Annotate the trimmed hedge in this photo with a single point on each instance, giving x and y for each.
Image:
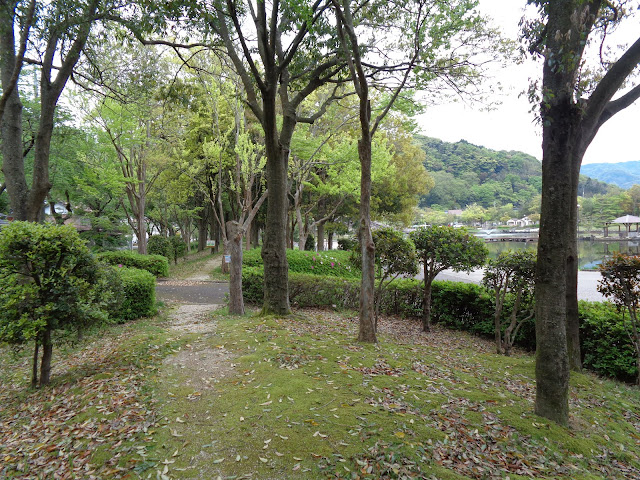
(606, 347)
(139, 293)
(334, 263)
(160, 245)
(605, 343)
(157, 265)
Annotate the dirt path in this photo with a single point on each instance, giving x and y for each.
(196, 289)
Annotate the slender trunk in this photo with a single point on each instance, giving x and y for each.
(45, 365)
(320, 239)
(426, 303)
(34, 367)
(329, 241)
(367, 331)
(236, 302)
(497, 324)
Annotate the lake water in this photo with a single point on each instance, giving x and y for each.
(590, 253)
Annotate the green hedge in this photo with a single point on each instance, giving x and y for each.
(605, 343)
(606, 346)
(334, 263)
(159, 245)
(139, 293)
(157, 265)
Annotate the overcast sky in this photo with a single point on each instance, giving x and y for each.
(511, 125)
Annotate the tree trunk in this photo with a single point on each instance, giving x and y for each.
(426, 303)
(367, 331)
(497, 325)
(320, 239)
(274, 252)
(202, 230)
(45, 365)
(573, 317)
(236, 302)
(11, 124)
(330, 241)
(552, 362)
(34, 367)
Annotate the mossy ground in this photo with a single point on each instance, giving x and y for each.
(297, 397)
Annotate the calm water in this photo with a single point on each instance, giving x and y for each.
(590, 253)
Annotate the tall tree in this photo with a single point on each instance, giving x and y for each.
(54, 35)
(281, 56)
(573, 107)
(420, 55)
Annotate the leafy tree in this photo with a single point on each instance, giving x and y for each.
(445, 247)
(511, 274)
(621, 283)
(575, 99)
(418, 55)
(395, 257)
(49, 281)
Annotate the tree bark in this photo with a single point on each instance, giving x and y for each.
(552, 269)
(367, 330)
(274, 253)
(236, 302)
(320, 239)
(426, 303)
(11, 124)
(47, 351)
(34, 366)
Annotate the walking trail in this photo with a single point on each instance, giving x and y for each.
(195, 297)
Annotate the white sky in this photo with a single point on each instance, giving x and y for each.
(510, 126)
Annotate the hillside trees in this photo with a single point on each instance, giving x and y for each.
(573, 106)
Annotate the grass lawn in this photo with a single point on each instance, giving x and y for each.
(298, 398)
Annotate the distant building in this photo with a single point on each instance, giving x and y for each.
(520, 222)
(455, 213)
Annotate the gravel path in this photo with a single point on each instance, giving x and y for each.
(197, 289)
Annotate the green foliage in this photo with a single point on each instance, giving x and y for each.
(347, 243)
(178, 248)
(605, 342)
(333, 262)
(442, 247)
(49, 281)
(139, 292)
(511, 275)
(465, 174)
(621, 283)
(155, 264)
(160, 245)
(310, 243)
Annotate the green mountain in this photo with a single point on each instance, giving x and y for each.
(465, 173)
(623, 174)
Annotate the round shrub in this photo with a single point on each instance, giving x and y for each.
(178, 248)
(159, 245)
(347, 243)
(139, 291)
(310, 243)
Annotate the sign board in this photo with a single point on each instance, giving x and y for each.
(227, 259)
(211, 243)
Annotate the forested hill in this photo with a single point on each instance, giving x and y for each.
(465, 174)
(623, 174)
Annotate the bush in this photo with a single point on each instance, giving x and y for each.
(139, 293)
(178, 248)
(157, 265)
(605, 343)
(332, 263)
(49, 282)
(310, 243)
(347, 243)
(159, 245)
